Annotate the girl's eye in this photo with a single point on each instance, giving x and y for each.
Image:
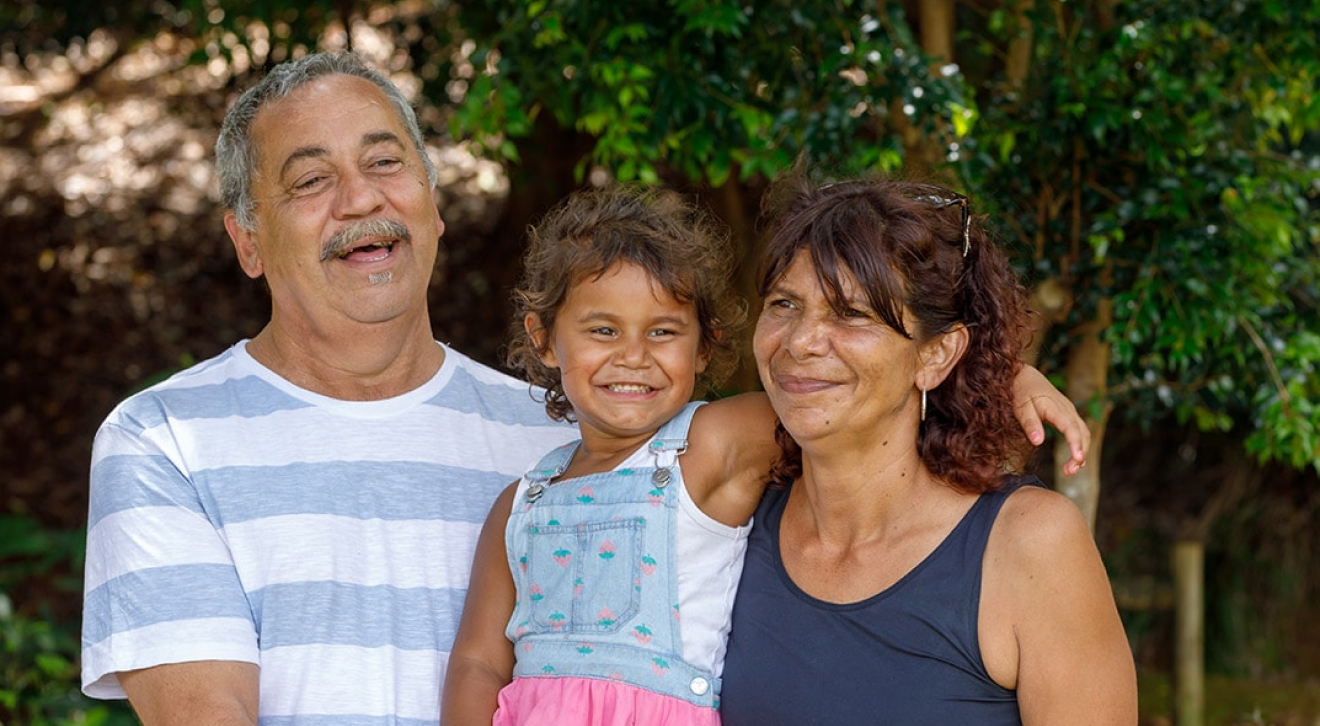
(660, 333)
(602, 330)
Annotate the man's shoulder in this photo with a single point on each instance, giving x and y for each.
(197, 389)
(208, 372)
(481, 372)
(475, 387)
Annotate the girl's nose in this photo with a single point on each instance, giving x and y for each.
(633, 351)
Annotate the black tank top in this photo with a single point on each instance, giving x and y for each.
(907, 656)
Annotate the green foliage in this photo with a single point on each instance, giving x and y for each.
(39, 678)
(1257, 565)
(706, 89)
(243, 33)
(27, 26)
(1162, 163)
(28, 550)
(1233, 701)
(1165, 164)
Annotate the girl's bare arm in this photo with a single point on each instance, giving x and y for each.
(482, 659)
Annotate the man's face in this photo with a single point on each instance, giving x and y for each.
(346, 225)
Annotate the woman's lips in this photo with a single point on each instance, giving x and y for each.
(801, 384)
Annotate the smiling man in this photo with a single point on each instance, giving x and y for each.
(283, 534)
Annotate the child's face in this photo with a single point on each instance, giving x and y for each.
(628, 353)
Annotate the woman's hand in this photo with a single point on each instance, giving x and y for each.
(1035, 399)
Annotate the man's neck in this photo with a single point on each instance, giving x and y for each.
(366, 363)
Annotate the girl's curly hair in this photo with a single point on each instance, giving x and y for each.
(674, 240)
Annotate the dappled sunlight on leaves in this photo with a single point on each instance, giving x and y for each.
(119, 270)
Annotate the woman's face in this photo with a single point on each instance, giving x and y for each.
(846, 378)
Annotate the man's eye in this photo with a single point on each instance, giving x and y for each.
(386, 164)
(308, 183)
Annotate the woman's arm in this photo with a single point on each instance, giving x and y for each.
(1050, 627)
(482, 659)
(1036, 399)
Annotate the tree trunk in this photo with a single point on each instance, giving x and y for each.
(730, 203)
(923, 152)
(937, 26)
(1238, 477)
(1087, 386)
(1018, 64)
(1050, 301)
(473, 292)
(1189, 665)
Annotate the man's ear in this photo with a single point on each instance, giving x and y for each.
(245, 246)
(540, 340)
(939, 355)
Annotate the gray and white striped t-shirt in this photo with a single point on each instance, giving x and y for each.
(235, 516)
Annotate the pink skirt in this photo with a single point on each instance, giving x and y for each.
(566, 701)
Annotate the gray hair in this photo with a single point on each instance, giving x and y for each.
(236, 155)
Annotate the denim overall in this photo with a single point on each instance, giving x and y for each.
(593, 562)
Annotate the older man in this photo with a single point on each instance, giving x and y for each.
(283, 533)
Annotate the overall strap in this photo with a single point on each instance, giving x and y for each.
(553, 463)
(550, 466)
(671, 440)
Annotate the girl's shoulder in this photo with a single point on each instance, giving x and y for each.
(731, 448)
(751, 409)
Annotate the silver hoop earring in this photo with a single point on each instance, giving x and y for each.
(923, 403)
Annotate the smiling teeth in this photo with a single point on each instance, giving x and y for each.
(628, 388)
(374, 245)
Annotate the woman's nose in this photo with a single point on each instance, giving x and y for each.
(806, 336)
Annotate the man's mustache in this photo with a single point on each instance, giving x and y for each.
(346, 238)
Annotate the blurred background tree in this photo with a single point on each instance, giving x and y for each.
(1152, 166)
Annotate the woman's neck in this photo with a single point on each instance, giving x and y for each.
(852, 494)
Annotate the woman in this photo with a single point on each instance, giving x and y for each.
(898, 574)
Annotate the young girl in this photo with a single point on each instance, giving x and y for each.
(603, 582)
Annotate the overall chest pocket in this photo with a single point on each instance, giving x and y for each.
(585, 578)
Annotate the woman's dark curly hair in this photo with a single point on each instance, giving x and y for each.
(904, 244)
(674, 240)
